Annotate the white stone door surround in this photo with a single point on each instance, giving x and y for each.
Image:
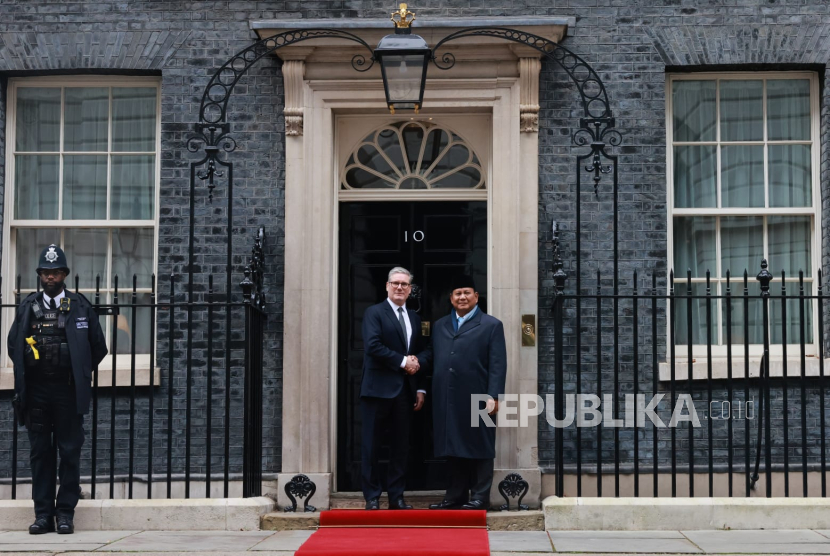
(493, 78)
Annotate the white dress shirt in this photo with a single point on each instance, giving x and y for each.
(408, 329)
(47, 299)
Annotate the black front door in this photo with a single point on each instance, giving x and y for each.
(435, 241)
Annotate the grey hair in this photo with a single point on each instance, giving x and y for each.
(399, 270)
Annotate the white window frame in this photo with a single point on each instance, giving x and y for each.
(719, 350)
(123, 361)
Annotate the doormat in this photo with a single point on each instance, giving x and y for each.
(399, 533)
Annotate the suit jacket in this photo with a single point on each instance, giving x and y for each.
(384, 347)
(472, 360)
(87, 346)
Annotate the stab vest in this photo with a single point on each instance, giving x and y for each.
(48, 328)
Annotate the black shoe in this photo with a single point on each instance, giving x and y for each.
(399, 504)
(373, 504)
(475, 505)
(65, 525)
(43, 524)
(445, 505)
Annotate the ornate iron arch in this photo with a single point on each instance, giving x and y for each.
(213, 109)
(596, 130)
(212, 132)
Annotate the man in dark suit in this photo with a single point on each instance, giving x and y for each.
(54, 343)
(392, 388)
(469, 358)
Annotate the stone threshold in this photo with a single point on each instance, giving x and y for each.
(202, 514)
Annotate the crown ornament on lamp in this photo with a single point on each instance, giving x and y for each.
(403, 18)
(403, 61)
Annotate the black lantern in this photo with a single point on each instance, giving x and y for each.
(403, 61)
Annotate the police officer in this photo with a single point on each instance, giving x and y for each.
(54, 343)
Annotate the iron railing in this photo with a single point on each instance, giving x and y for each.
(624, 347)
(195, 418)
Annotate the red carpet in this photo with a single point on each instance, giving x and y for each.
(399, 533)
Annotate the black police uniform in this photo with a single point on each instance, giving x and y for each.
(53, 348)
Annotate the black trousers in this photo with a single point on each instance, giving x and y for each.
(470, 479)
(385, 419)
(55, 428)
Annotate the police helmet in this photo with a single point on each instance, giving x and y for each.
(52, 258)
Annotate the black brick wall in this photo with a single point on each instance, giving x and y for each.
(629, 42)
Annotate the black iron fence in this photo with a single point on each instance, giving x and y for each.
(182, 405)
(734, 371)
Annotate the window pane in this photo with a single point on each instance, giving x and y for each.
(794, 319)
(369, 156)
(741, 110)
(86, 115)
(38, 119)
(698, 306)
(752, 306)
(133, 119)
(467, 177)
(361, 179)
(455, 156)
(132, 253)
(437, 141)
(390, 144)
(413, 138)
(695, 182)
(693, 106)
(694, 246)
(790, 176)
(789, 245)
(84, 187)
(86, 254)
(742, 245)
(742, 176)
(36, 187)
(125, 329)
(788, 109)
(30, 242)
(133, 188)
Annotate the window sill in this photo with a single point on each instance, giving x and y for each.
(719, 368)
(122, 377)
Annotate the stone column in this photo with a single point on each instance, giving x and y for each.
(309, 288)
(518, 447)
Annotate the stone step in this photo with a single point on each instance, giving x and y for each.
(496, 521)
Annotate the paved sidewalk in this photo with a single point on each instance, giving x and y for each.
(502, 543)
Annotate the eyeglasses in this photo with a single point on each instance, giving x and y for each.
(52, 272)
(402, 285)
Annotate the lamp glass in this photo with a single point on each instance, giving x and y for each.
(404, 74)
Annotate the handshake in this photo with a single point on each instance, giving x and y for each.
(412, 365)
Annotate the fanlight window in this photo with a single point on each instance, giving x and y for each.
(413, 155)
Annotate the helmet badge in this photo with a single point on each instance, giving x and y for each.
(51, 256)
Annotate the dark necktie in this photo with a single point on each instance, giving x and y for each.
(403, 326)
(52, 304)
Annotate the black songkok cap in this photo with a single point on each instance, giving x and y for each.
(463, 281)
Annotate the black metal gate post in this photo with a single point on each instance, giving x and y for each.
(765, 277)
(254, 318)
(559, 278)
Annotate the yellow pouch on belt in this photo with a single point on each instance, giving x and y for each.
(31, 341)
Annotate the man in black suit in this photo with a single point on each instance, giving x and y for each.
(54, 343)
(392, 388)
(469, 360)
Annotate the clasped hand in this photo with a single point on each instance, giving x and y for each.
(412, 365)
